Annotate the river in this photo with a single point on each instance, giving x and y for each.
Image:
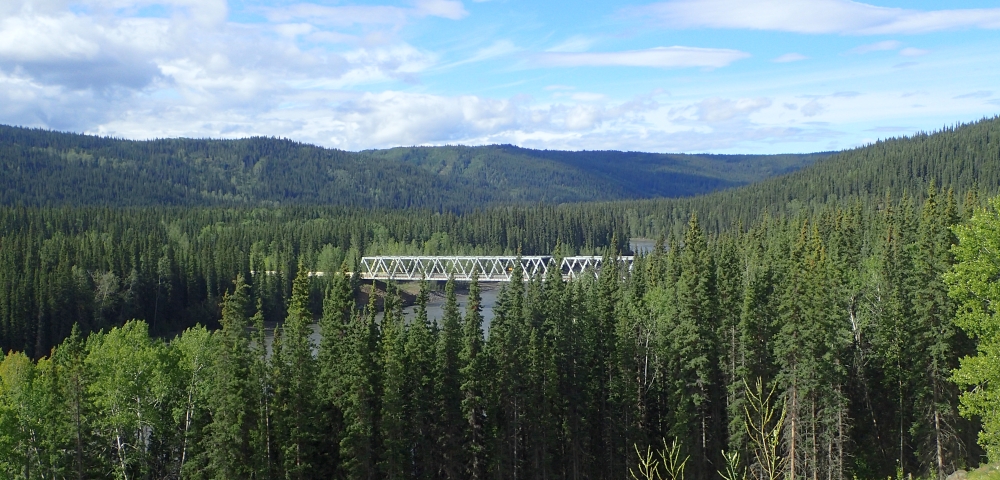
(435, 305)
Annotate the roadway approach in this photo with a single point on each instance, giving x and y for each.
(485, 268)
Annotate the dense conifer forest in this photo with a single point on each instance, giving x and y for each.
(837, 322)
(43, 168)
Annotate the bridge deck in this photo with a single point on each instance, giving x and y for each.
(487, 269)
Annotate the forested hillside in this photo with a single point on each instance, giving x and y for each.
(50, 168)
(618, 175)
(965, 158)
(844, 315)
(841, 288)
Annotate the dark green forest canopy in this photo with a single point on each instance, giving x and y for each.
(39, 167)
(842, 313)
(48, 251)
(825, 283)
(965, 158)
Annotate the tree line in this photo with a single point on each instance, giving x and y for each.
(98, 267)
(844, 314)
(45, 168)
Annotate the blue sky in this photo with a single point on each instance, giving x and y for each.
(724, 76)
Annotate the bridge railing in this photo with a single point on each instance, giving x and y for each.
(486, 268)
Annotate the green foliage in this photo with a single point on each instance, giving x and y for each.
(49, 168)
(132, 384)
(974, 285)
(814, 343)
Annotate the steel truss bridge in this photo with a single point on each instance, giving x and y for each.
(487, 269)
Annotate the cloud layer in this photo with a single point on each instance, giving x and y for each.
(356, 76)
(816, 16)
(661, 57)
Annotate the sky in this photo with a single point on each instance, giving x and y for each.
(717, 76)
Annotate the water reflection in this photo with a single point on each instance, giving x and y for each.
(435, 310)
(488, 291)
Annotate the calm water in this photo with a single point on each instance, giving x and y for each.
(489, 292)
(435, 310)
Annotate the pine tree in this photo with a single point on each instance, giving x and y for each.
(262, 437)
(69, 360)
(295, 391)
(505, 350)
(338, 308)
(939, 445)
(449, 423)
(419, 374)
(473, 373)
(395, 422)
(233, 400)
(699, 409)
(358, 396)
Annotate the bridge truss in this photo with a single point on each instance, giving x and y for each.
(487, 269)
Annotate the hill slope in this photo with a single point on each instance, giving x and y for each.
(965, 158)
(40, 167)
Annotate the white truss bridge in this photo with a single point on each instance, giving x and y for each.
(487, 269)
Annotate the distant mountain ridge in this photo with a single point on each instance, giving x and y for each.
(964, 158)
(46, 168)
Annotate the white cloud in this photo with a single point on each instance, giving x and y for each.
(816, 16)
(790, 57)
(499, 48)
(812, 108)
(877, 47)
(576, 43)
(979, 94)
(98, 47)
(341, 15)
(662, 57)
(913, 52)
(347, 15)
(716, 110)
(449, 9)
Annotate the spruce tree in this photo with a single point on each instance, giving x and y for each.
(935, 338)
(449, 425)
(358, 396)
(505, 350)
(262, 438)
(296, 387)
(700, 404)
(473, 374)
(420, 345)
(338, 306)
(69, 360)
(232, 403)
(395, 461)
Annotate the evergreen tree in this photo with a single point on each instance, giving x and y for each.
(358, 396)
(295, 391)
(935, 338)
(337, 310)
(698, 383)
(72, 387)
(395, 461)
(506, 352)
(473, 373)
(449, 424)
(419, 375)
(233, 400)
